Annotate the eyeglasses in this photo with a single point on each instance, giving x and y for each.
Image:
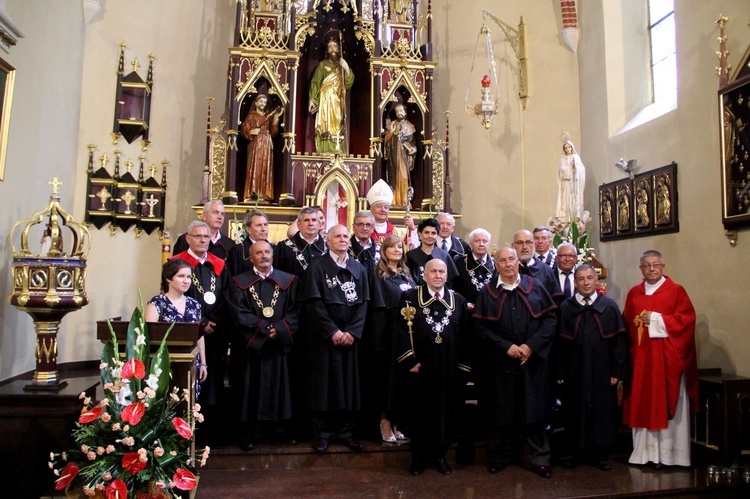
(366, 226)
(649, 266)
(199, 236)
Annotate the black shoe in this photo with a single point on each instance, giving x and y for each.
(246, 444)
(495, 466)
(543, 471)
(321, 445)
(443, 467)
(353, 444)
(416, 468)
(603, 465)
(568, 461)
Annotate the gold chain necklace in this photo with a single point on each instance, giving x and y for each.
(267, 311)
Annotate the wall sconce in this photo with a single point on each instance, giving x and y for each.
(487, 108)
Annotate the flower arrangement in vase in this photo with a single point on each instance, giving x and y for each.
(133, 443)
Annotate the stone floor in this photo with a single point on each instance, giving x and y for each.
(378, 472)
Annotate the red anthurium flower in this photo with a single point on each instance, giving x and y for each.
(131, 463)
(89, 415)
(66, 476)
(133, 413)
(117, 489)
(183, 428)
(184, 479)
(134, 367)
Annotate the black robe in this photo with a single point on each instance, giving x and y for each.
(544, 275)
(417, 259)
(459, 247)
(212, 270)
(592, 346)
(378, 359)
(513, 393)
(239, 257)
(469, 269)
(296, 262)
(260, 366)
(432, 395)
(368, 257)
(333, 374)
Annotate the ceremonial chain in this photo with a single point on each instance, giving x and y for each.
(300, 257)
(436, 326)
(267, 311)
(476, 282)
(210, 297)
(349, 288)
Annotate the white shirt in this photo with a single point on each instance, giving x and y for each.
(581, 300)
(441, 291)
(341, 261)
(201, 260)
(261, 274)
(509, 287)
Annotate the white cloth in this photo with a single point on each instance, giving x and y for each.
(670, 446)
(656, 327)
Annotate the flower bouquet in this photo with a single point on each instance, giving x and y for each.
(132, 443)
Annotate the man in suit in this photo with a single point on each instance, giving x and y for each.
(542, 242)
(362, 247)
(565, 268)
(219, 244)
(455, 246)
(256, 227)
(528, 265)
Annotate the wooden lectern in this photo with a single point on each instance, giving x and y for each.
(181, 345)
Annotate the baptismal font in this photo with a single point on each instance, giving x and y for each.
(51, 283)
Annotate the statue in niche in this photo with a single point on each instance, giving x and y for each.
(663, 204)
(606, 221)
(623, 207)
(260, 127)
(571, 180)
(401, 10)
(641, 211)
(328, 88)
(400, 149)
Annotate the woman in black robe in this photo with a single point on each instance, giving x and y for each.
(388, 281)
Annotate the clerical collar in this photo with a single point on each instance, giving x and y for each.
(200, 260)
(261, 274)
(581, 300)
(651, 288)
(508, 287)
(341, 261)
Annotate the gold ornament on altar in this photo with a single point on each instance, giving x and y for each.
(51, 283)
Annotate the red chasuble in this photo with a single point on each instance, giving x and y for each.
(659, 363)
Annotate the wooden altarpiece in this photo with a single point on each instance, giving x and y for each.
(277, 46)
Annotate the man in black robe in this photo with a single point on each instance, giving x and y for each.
(523, 242)
(363, 248)
(335, 294)
(294, 255)
(515, 320)
(219, 244)
(429, 352)
(262, 303)
(210, 284)
(446, 241)
(591, 346)
(417, 258)
(256, 229)
(475, 268)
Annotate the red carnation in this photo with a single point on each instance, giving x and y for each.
(66, 476)
(134, 367)
(184, 479)
(132, 463)
(133, 413)
(117, 489)
(486, 81)
(183, 428)
(89, 415)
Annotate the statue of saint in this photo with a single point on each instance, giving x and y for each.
(259, 127)
(663, 203)
(623, 208)
(328, 87)
(641, 212)
(571, 180)
(400, 149)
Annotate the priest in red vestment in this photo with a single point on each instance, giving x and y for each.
(663, 391)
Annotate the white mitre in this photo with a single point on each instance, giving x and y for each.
(380, 192)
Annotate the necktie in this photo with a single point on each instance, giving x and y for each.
(586, 301)
(523, 268)
(437, 296)
(445, 245)
(568, 289)
(540, 258)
